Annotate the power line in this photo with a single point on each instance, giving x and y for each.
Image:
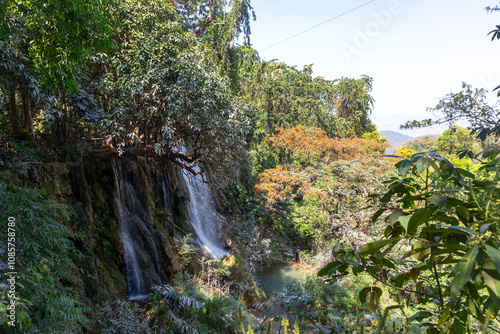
(333, 18)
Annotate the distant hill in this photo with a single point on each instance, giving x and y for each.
(396, 139)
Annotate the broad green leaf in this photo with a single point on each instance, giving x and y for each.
(494, 255)
(419, 217)
(325, 271)
(420, 316)
(394, 216)
(402, 279)
(457, 327)
(484, 228)
(404, 220)
(463, 214)
(375, 295)
(388, 263)
(377, 214)
(374, 246)
(363, 293)
(423, 163)
(465, 173)
(420, 250)
(463, 271)
(438, 200)
(404, 166)
(491, 278)
(461, 228)
(414, 272)
(445, 315)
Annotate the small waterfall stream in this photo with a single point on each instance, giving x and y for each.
(140, 252)
(204, 218)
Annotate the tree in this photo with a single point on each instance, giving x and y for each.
(495, 32)
(44, 45)
(217, 24)
(454, 140)
(354, 104)
(470, 104)
(448, 217)
(161, 92)
(284, 96)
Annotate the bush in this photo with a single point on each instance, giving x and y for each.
(121, 317)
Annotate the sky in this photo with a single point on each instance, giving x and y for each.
(416, 51)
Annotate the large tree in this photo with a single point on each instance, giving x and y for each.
(43, 47)
(161, 92)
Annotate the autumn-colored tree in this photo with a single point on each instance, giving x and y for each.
(284, 183)
(300, 147)
(315, 144)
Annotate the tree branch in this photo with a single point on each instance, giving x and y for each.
(209, 19)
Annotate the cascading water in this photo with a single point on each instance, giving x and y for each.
(136, 237)
(164, 187)
(204, 218)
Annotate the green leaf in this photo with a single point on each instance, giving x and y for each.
(414, 272)
(394, 216)
(374, 246)
(402, 279)
(404, 220)
(445, 315)
(494, 255)
(463, 214)
(484, 228)
(438, 200)
(325, 271)
(423, 163)
(419, 316)
(461, 228)
(419, 251)
(404, 166)
(419, 217)
(363, 293)
(465, 173)
(377, 214)
(491, 278)
(463, 271)
(375, 295)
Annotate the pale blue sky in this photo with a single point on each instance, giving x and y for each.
(416, 51)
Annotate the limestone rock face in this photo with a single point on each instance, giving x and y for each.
(153, 199)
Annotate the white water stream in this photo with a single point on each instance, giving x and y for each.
(132, 227)
(204, 218)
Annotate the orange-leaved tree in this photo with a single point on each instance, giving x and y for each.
(300, 147)
(310, 145)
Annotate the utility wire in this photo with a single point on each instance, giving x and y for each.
(304, 31)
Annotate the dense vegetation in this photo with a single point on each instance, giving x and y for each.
(294, 160)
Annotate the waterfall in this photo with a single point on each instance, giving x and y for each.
(204, 218)
(163, 187)
(140, 252)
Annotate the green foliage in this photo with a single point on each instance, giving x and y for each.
(121, 317)
(56, 37)
(193, 307)
(166, 93)
(374, 135)
(284, 96)
(454, 140)
(469, 104)
(43, 251)
(354, 104)
(440, 244)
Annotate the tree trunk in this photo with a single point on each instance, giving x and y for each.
(208, 20)
(28, 118)
(13, 111)
(66, 125)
